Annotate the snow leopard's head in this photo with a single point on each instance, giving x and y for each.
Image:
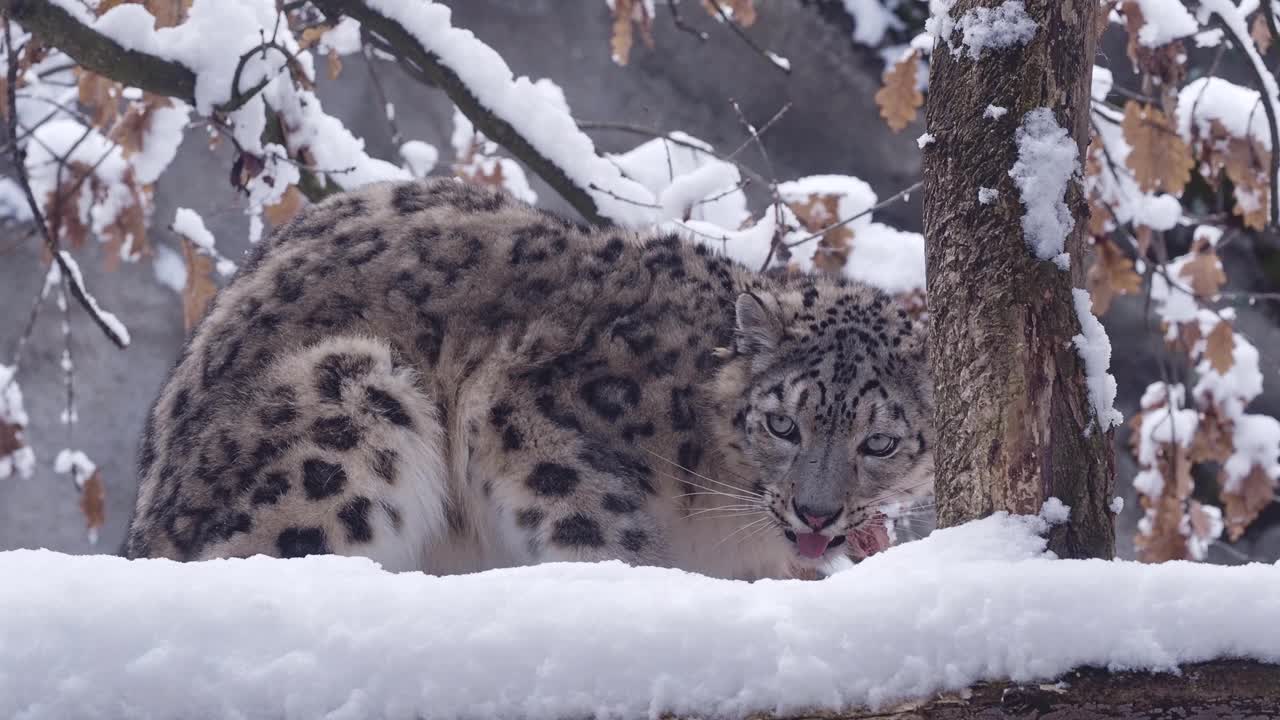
(827, 412)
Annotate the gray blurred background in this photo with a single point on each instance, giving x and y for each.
(833, 126)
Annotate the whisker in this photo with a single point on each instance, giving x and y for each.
(735, 488)
(730, 515)
(880, 500)
(739, 530)
(753, 534)
(704, 492)
(725, 508)
(748, 498)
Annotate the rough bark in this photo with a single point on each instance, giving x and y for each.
(1223, 689)
(1013, 413)
(104, 56)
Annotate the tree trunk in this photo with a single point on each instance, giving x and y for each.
(1014, 417)
(1223, 689)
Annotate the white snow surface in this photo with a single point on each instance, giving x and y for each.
(544, 123)
(419, 157)
(686, 191)
(1165, 21)
(165, 127)
(659, 163)
(1047, 161)
(872, 20)
(13, 202)
(75, 462)
(331, 637)
(987, 195)
(1055, 512)
(189, 224)
(887, 258)
(1094, 348)
(108, 319)
(1236, 107)
(985, 29)
(170, 269)
(12, 412)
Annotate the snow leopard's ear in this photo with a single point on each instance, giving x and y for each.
(759, 328)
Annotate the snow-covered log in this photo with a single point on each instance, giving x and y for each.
(339, 638)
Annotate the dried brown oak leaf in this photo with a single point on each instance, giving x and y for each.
(93, 503)
(1256, 492)
(1165, 62)
(285, 208)
(1220, 346)
(199, 290)
(627, 16)
(10, 438)
(1111, 274)
(1099, 214)
(335, 64)
(817, 212)
(1205, 273)
(1159, 158)
(1212, 441)
(100, 95)
(1165, 541)
(1260, 33)
(900, 98)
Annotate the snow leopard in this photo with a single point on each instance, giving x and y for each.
(441, 378)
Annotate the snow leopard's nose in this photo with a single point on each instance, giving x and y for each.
(817, 518)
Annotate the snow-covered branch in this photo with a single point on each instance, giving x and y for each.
(59, 27)
(508, 110)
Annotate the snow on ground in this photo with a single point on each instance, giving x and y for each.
(338, 638)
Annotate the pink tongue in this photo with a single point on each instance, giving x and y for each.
(812, 545)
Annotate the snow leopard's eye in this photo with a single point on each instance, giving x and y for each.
(879, 445)
(782, 426)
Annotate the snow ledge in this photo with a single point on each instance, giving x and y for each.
(338, 637)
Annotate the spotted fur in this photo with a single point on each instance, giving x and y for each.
(441, 378)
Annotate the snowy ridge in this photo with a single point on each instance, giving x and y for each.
(338, 638)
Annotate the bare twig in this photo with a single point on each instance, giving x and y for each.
(25, 337)
(772, 59)
(631, 201)
(20, 171)
(376, 81)
(761, 131)
(68, 363)
(651, 133)
(773, 178)
(681, 24)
